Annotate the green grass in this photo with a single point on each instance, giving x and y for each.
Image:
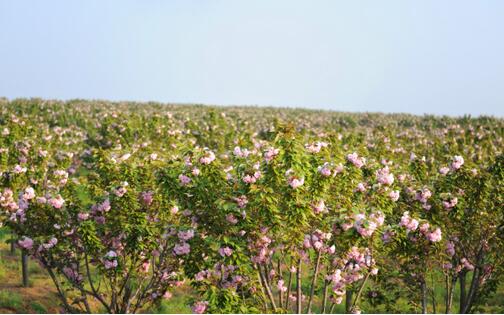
(38, 308)
(11, 300)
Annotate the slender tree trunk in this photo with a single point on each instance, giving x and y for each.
(462, 278)
(289, 285)
(298, 288)
(324, 298)
(280, 276)
(267, 288)
(24, 268)
(474, 283)
(331, 309)
(433, 297)
(314, 282)
(423, 286)
(13, 244)
(450, 290)
(348, 301)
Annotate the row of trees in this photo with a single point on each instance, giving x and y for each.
(121, 204)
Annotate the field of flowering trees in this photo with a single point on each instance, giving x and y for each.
(254, 210)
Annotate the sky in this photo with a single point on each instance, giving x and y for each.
(419, 56)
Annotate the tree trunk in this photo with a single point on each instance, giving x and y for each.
(450, 290)
(462, 278)
(324, 298)
(13, 244)
(423, 286)
(298, 288)
(314, 282)
(348, 301)
(24, 267)
(289, 285)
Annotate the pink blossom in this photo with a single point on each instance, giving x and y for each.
(451, 203)
(270, 154)
(281, 286)
(184, 180)
(174, 210)
(450, 248)
(82, 216)
(384, 176)
(319, 207)
(394, 195)
(231, 218)
(145, 266)
(199, 307)
(186, 235)
(57, 202)
(147, 197)
(182, 249)
(29, 193)
(434, 236)
(109, 264)
(241, 201)
(356, 160)
(409, 223)
(18, 169)
(120, 191)
(361, 187)
(423, 195)
(168, 295)
(295, 182)
(444, 170)
(208, 158)
(457, 162)
(225, 251)
(26, 243)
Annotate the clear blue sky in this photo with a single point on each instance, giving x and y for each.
(441, 57)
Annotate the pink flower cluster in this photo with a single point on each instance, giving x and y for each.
(349, 269)
(260, 246)
(270, 154)
(185, 235)
(208, 158)
(250, 179)
(7, 200)
(241, 153)
(394, 195)
(147, 197)
(294, 181)
(26, 243)
(319, 207)
(450, 203)
(29, 193)
(317, 240)
(356, 160)
(316, 147)
(384, 176)
(409, 223)
(241, 201)
(326, 171)
(199, 307)
(72, 273)
(225, 251)
(182, 249)
(457, 162)
(367, 226)
(184, 180)
(412, 224)
(57, 202)
(110, 260)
